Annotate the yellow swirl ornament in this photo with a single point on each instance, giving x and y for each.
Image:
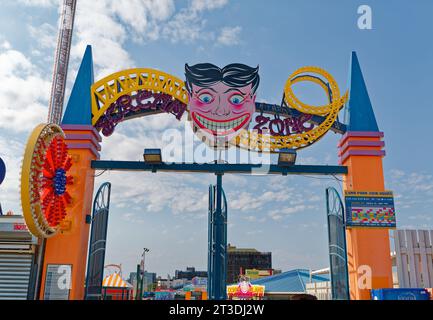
(252, 140)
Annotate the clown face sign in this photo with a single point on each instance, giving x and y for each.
(221, 104)
(221, 101)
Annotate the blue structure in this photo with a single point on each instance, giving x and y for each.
(217, 241)
(98, 240)
(337, 245)
(216, 167)
(293, 281)
(79, 110)
(400, 294)
(2, 170)
(359, 112)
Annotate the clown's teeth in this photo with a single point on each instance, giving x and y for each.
(215, 126)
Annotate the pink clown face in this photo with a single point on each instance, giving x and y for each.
(221, 110)
(244, 286)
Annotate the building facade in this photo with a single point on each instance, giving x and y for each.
(240, 259)
(189, 274)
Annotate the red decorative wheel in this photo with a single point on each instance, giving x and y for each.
(44, 180)
(53, 191)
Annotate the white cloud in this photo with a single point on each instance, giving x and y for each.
(23, 93)
(245, 201)
(200, 5)
(108, 24)
(157, 193)
(46, 35)
(39, 3)
(229, 36)
(96, 24)
(5, 45)
(138, 15)
(256, 201)
(416, 183)
(187, 25)
(281, 213)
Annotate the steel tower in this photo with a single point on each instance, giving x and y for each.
(61, 61)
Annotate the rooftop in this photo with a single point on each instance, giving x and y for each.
(289, 281)
(231, 248)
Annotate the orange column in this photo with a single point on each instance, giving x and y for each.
(70, 246)
(367, 248)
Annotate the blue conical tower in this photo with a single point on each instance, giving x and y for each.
(79, 109)
(360, 114)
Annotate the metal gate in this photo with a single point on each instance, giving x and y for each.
(337, 245)
(98, 238)
(217, 242)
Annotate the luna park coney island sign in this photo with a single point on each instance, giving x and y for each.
(221, 107)
(220, 104)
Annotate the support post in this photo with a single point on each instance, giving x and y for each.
(137, 290)
(361, 150)
(218, 244)
(70, 246)
(368, 249)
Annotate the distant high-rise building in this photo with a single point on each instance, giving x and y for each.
(148, 281)
(132, 278)
(190, 273)
(239, 259)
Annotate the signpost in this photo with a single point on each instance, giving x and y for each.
(370, 209)
(57, 283)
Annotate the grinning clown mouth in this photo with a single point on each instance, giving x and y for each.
(220, 127)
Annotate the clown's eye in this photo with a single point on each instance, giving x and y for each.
(205, 98)
(236, 99)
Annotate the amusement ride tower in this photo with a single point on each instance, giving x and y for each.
(61, 61)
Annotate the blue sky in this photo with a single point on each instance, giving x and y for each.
(167, 212)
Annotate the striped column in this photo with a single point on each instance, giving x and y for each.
(81, 137)
(368, 249)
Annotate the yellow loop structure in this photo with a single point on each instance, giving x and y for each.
(31, 174)
(109, 89)
(295, 103)
(255, 141)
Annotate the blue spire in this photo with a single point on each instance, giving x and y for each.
(79, 108)
(360, 111)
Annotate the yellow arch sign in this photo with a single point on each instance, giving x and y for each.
(107, 90)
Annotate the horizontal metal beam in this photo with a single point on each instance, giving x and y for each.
(217, 168)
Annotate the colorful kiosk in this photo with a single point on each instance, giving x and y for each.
(115, 288)
(244, 290)
(59, 165)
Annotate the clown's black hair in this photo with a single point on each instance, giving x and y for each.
(235, 75)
